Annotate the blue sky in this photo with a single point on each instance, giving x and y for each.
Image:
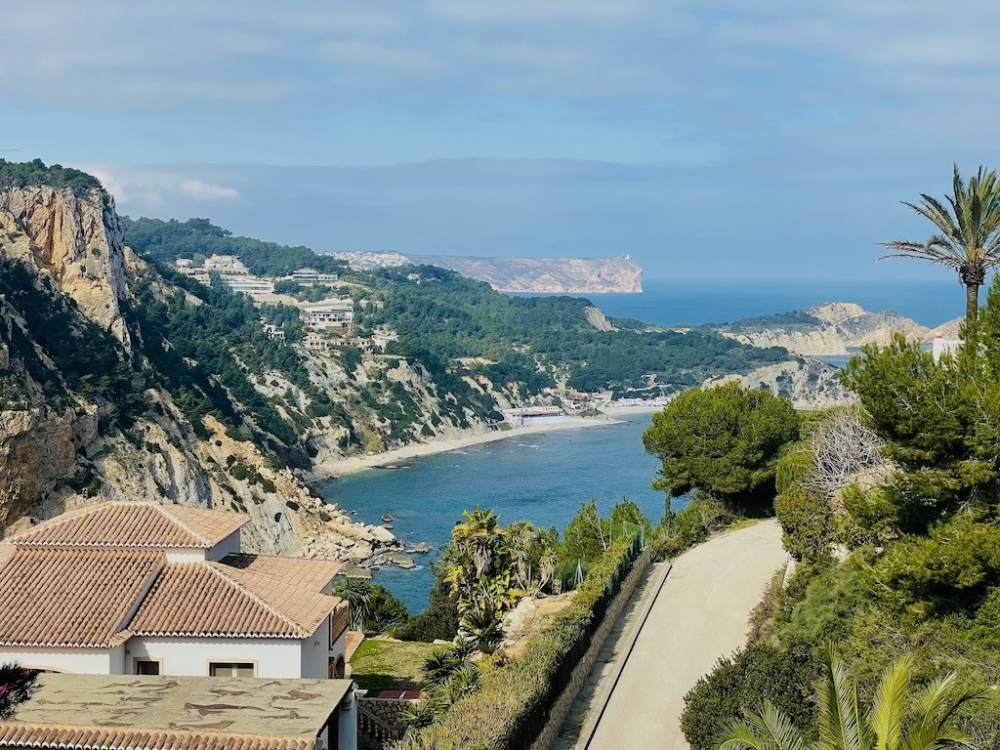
(707, 138)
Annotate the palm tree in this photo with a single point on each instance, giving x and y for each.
(969, 240)
(479, 533)
(357, 593)
(891, 723)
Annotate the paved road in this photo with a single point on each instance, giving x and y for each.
(700, 615)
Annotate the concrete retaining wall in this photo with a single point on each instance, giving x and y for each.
(562, 706)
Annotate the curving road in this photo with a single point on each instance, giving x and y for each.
(699, 615)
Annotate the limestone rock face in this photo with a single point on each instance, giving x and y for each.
(37, 451)
(77, 241)
(809, 383)
(837, 327)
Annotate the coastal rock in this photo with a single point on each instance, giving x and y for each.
(598, 319)
(830, 329)
(809, 383)
(74, 240)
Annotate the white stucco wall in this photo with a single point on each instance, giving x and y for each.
(315, 651)
(189, 657)
(228, 546)
(74, 661)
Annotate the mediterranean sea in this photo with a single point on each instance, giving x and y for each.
(541, 478)
(691, 303)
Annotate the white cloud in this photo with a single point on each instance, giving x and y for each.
(207, 191)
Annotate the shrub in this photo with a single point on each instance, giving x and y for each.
(806, 521)
(511, 704)
(690, 526)
(761, 672)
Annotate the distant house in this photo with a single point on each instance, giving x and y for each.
(226, 265)
(274, 332)
(310, 276)
(87, 712)
(231, 270)
(142, 588)
(940, 347)
(338, 313)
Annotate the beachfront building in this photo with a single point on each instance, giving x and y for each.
(335, 314)
(84, 712)
(143, 588)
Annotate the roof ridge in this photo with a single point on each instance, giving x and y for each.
(163, 509)
(219, 571)
(57, 520)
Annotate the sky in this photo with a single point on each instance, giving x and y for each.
(708, 139)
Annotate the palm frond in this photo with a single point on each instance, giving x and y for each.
(888, 711)
(932, 713)
(839, 724)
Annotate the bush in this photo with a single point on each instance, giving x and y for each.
(439, 621)
(807, 523)
(759, 673)
(511, 704)
(690, 526)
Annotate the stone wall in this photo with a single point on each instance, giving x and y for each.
(562, 706)
(380, 720)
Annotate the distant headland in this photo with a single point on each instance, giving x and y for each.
(620, 275)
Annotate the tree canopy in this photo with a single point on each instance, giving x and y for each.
(724, 441)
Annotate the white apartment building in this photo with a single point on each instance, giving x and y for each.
(143, 588)
(311, 276)
(338, 313)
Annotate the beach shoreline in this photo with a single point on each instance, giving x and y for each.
(333, 470)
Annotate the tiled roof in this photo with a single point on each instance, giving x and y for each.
(208, 599)
(134, 524)
(16, 734)
(110, 712)
(313, 575)
(69, 597)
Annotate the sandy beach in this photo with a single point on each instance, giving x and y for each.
(355, 464)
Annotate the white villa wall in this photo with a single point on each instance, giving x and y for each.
(74, 661)
(315, 652)
(228, 546)
(189, 657)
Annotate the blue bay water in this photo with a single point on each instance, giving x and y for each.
(544, 478)
(541, 478)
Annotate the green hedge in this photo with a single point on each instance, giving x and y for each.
(511, 707)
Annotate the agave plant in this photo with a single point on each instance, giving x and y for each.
(892, 722)
(969, 238)
(483, 627)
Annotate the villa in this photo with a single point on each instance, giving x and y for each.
(336, 313)
(143, 588)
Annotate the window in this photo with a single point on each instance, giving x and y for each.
(231, 669)
(147, 666)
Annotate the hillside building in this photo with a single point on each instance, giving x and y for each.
(143, 588)
(338, 314)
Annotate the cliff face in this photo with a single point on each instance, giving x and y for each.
(76, 241)
(835, 328)
(810, 383)
(85, 416)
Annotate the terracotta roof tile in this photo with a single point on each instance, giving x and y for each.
(134, 524)
(208, 599)
(68, 597)
(313, 575)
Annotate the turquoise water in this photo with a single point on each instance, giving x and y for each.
(541, 478)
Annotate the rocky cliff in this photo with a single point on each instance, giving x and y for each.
(74, 240)
(829, 329)
(86, 413)
(809, 383)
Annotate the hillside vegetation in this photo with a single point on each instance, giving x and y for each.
(892, 511)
